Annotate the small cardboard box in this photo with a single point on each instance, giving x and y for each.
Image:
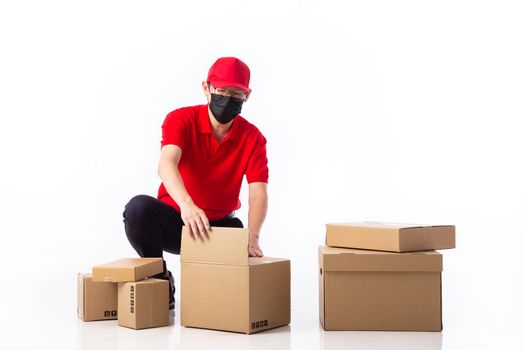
(383, 291)
(143, 304)
(95, 300)
(392, 237)
(224, 289)
(128, 270)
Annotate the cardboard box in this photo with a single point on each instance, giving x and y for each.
(224, 289)
(143, 304)
(96, 300)
(128, 270)
(390, 236)
(383, 291)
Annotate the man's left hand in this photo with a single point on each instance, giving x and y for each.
(253, 247)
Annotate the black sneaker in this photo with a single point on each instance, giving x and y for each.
(166, 275)
(172, 291)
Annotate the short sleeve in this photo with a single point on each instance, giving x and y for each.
(174, 130)
(257, 170)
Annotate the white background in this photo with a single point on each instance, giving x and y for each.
(407, 111)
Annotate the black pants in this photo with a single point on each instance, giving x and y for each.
(154, 227)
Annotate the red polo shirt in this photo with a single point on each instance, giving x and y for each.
(213, 171)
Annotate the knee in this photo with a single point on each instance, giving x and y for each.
(236, 222)
(137, 209)
(228, 222)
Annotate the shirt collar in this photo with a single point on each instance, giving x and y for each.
(205, 127)
(204, 120)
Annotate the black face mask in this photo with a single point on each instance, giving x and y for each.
(225, 108)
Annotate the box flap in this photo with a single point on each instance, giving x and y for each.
(345, 259)
(224, 245)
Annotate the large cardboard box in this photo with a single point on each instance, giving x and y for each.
(96, 300)
(390, 236)
(143, 304)
(384, 291)
(224, 289)
(128, 270)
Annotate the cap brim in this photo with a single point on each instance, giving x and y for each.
(223, 84)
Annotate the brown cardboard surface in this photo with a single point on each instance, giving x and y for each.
(127, 270)
(246, 299)
(390, 236)
(214, 296)
(96, 300)
(347, 259)
(370, 296)
(143, 304)
(224, 245)
(269, 293)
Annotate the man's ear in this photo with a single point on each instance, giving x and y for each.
(206, 90)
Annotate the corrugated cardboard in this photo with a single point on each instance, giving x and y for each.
(373, 290)
(390, 236)
(128, 270)
(226, 290)
(227, 246)
(143, 304)
(96, 300)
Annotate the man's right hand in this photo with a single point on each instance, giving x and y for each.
(195, 220)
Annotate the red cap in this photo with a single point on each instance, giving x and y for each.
(230, 71)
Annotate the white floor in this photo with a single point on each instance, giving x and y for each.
(304, 333)
(481, 311)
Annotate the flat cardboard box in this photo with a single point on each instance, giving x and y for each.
(143, 304)
(383, 291)
(128, 270)
(392, 237)
(224, 289)
(95, 300)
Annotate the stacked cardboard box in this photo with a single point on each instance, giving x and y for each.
(96, 300)
(224, 289)
(382, 276)
(122, 290)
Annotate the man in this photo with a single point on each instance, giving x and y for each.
(206, 150)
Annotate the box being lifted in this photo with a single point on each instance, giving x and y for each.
(224, 289)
